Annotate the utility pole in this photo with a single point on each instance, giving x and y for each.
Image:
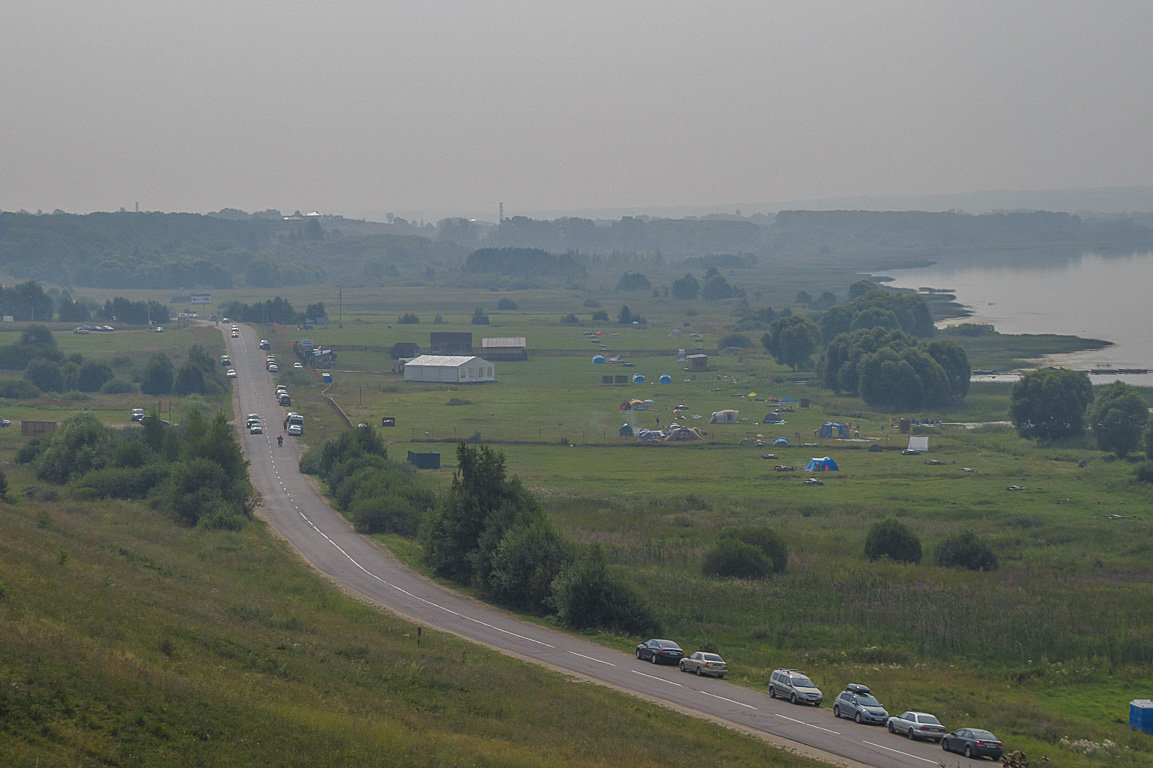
(340, 306)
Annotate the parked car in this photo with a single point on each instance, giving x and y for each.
(794, 685)
(917, 725)
(252, 417)
(256, 428)
(230, 373)
(137, 414)
(273, 368)
(264, 344)
(857, 702)
(5, 422)
(226, 360)
(660, 651)
(295, 430)
(973, 742)
(704, 663)
(298, 364)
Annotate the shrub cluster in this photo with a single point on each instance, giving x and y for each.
(892, 539)
(751, 553)
(965, 550)
(377, 495)
(196, 473)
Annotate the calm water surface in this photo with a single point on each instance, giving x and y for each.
(1091, 296)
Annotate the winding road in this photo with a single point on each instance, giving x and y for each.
(300, 514)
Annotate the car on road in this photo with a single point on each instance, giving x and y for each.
(973, 742)
(298, 364)
(273, 368)
(794, 685)
(252, 417)
(236, 334)
(917, 725)
(137, 414)
(256, 428)
(858, 703)
(230, 373)
(704, 663)
(660, 651)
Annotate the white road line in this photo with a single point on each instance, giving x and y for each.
(899, 752)
(722, 698)
(590, 658)
(802, 722)
(654, 677)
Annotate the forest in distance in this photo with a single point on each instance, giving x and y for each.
(268, 250)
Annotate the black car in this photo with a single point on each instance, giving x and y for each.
(660, 652)
(973, 742)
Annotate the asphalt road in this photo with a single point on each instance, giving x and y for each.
(301, 514)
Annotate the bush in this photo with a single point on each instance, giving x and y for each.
(506, 304)
(769, 543)
(524, 566)
(570, 319)
(965, 550)
(19, 389)
(586, 596)
(1145, 472)
(731, 557)
(893, 540)
(117, 387)
(739, 340)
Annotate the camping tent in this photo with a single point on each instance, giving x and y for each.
(638, 378)
(919, 443)
(665, 379)
(626, 430)
(649, 435)
(773, 418)
(829, 427)
(677, 433)
(781, 441)
(598, 359)
(825, 464)
(728, 416)
(632, 405)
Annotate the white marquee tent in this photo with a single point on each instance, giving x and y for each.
(449, 369)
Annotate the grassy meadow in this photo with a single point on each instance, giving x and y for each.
(164, 646)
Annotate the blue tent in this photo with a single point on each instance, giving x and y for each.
(822, 465)
(638, 378)
(781, 441)
(598, 358)
(665, 379)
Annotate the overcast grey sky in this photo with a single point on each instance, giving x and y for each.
(350, 105)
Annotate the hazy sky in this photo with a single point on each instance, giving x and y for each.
(391, 105)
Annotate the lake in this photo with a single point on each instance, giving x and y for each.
(1092, 296)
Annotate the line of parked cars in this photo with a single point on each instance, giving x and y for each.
(856, 702)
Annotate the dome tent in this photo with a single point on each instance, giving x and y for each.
(825, 464)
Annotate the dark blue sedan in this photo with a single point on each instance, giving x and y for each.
(973, 742)
(660, 652)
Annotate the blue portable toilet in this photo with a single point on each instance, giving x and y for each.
(665, 379)
(326, 378)
(598, 359)
(638, 378)
(1141, 715)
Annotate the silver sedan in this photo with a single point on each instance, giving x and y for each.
(917, 725)
(704, 663)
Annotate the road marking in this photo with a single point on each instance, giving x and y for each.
(590, 658)
(731, 701)
(654, 677)
(802, 722)
(899, 752)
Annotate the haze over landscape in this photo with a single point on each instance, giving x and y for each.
(445, 108)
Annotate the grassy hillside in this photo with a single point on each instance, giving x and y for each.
(130, 641)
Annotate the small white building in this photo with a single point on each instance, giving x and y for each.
(449, 369)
